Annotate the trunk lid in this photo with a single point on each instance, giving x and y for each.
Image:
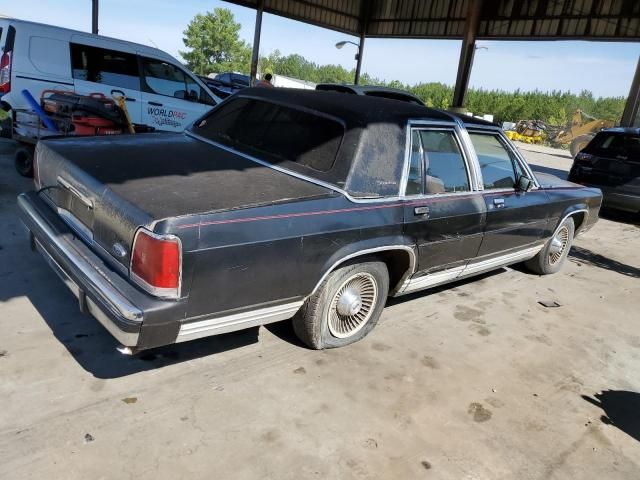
(106, 187)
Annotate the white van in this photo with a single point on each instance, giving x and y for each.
(159, 91)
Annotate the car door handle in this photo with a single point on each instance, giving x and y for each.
(155, 104)
(122, 94)
(498, 202)
(424, 211)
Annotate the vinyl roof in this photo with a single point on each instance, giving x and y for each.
(445, 19)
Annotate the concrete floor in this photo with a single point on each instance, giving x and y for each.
(473, 381)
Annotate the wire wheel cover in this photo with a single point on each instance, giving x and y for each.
(353, 304)
(558, 245)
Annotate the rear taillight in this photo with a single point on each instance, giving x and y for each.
(585, 158)
(5, 73)
(156, 263)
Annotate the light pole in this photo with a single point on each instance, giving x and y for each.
(358, 57)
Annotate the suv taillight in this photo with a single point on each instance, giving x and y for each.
(5, 73)
(156, 263)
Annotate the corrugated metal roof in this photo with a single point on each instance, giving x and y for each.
(500, 19)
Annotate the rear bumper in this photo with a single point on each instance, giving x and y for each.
(134, 318)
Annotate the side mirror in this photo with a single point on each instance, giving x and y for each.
(525, 184)
(181, 94)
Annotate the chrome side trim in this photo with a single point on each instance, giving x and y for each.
(474, 268)
(431, 280)
(238, 321)
(439, 278)
(360, 253)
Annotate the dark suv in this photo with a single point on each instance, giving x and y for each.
(611, 162)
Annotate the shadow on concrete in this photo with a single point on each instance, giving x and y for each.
(588, 257)
(621, 409)
(558, 172)
(95, 350)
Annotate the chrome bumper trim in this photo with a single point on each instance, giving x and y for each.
(108, 296)
(238, 321)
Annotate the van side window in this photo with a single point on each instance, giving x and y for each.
(163, 78)
(109, 67)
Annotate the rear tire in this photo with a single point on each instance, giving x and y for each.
(345, 307)
(552, 257)
(24, 161)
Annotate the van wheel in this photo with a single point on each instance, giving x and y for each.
(552, 257)
(24, 161)
(345, 308)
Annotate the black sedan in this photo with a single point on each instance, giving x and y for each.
(291, 203)
(611, 162)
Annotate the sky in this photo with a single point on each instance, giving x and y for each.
(604, 68)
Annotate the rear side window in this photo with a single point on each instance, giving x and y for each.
(615, 145)
(163, 78)
(443, 167)
(100, 65)
(498, 165)
(275, 132)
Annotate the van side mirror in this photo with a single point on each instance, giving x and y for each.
(525, 184)
(181, 94)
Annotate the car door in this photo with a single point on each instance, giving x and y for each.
(515, 219)
(443, 213)
(171, 98)
(100, 66)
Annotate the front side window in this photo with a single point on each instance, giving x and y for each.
(499, 167)
(274, 132)
(109, 67)
(163, 78)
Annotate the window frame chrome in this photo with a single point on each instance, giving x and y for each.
(468, 158)
(516, 155)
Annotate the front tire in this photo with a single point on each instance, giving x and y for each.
(345, 308)
(552, 257)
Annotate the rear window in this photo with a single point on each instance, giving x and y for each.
(274, 132)
(615, 145)
(394, 96)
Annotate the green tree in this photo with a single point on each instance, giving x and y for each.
(214, 44)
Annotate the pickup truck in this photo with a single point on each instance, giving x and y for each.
(284, 204)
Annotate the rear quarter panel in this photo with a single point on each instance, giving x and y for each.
(276, 253)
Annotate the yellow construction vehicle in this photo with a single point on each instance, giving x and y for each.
(527, 131)
(579, 133)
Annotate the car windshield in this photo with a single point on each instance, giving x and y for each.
(616, 145)
(274, 132)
